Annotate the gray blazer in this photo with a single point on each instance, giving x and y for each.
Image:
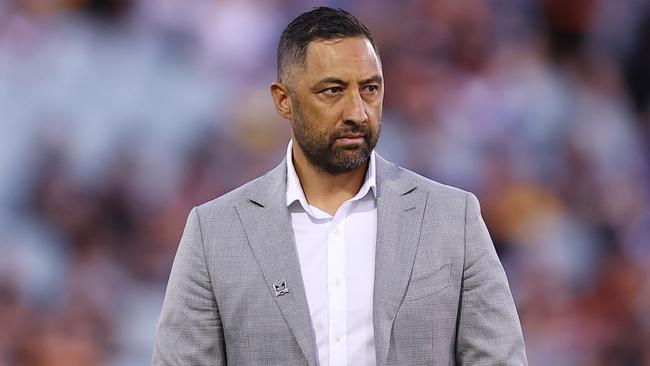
(440, 296)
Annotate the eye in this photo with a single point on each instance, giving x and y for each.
(372, 88)
(333, 90)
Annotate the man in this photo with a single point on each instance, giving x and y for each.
(337, 256)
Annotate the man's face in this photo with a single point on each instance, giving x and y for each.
(336, 102)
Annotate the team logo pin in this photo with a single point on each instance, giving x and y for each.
(280, 287)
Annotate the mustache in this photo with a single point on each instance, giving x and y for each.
(356, 129)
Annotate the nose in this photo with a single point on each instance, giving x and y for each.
(355, 111)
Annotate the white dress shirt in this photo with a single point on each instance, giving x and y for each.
(337, 261)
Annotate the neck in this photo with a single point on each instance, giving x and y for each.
(324, 190)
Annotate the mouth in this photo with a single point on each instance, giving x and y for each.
(352, 138)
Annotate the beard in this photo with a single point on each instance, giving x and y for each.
(321, 149)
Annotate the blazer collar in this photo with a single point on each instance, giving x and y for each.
(392, 178)
(400, 210)
(266, 221)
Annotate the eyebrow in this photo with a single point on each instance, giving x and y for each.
(373, 79)
(332, 80)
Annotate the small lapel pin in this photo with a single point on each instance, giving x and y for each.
(280, 287)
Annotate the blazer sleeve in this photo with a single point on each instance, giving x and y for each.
(189, 330)
(489, 332)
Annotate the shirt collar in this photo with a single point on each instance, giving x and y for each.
(295, 192)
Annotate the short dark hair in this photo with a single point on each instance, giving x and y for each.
(321, 23)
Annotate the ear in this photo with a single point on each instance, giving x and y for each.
(281, 99)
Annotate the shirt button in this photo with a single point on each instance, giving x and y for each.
(338, 339)
(337, 282)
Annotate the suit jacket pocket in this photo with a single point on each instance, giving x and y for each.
(425, 284)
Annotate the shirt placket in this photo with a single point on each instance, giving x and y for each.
(337, 292)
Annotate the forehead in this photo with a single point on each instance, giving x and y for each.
(344, 58)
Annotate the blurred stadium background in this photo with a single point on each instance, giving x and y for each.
(118, 116)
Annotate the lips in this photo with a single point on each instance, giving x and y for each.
(351, 139)
(351, 136)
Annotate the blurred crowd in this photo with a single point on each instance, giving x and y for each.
(118, 116)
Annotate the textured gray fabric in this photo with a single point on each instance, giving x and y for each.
(441, 296)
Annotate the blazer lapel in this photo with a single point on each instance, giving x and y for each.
(400, 208)
(267, 225)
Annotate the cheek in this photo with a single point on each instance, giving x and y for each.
(373, 111)
(324, 122)
(312, 129)
(321, 113)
